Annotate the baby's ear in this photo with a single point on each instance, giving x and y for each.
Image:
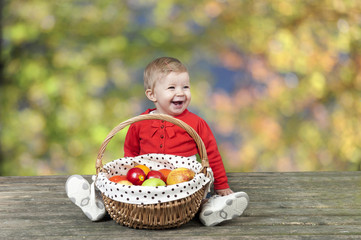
(150, 95)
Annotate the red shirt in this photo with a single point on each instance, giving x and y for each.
(157, 136)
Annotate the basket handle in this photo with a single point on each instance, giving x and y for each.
(168, 118)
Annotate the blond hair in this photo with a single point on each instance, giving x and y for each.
(159, 68)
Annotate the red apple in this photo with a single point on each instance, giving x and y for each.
(136, 176)
(155, 174)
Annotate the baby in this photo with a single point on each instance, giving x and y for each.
(167, 85)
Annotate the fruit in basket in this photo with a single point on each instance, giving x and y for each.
(117, 178)
(180, 175)
(153, 182)
(125, 182)
(144, 168)
(136, 176)
(155, 174)
(165, 173)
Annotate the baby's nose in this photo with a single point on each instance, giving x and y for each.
(180, 92)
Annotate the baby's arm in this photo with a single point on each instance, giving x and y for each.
(224, 192)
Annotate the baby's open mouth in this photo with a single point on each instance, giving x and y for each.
(177, 103)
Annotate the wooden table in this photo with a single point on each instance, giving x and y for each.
(302, 205)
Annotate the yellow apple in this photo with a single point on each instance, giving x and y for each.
(180, 175)
(125, 182)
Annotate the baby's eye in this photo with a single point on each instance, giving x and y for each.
(186, 87)
(171, 87)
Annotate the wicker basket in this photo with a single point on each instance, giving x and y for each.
(161, 215)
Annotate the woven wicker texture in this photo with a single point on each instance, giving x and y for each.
(161, 215)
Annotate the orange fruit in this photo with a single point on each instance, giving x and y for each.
(144, 168)
(165, 172)
(118, 178)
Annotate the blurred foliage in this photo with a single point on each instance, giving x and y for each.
(278, 81)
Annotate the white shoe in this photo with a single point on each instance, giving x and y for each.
(82, 194)
(222, 208)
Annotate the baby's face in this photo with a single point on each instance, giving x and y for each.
(172, 94)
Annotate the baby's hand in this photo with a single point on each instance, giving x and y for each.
(224, 192)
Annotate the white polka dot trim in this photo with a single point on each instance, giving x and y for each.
(150, 195)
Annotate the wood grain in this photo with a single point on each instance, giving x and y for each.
(301, 205)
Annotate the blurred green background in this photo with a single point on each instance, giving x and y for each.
(279, 82)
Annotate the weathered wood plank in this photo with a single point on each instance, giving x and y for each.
(302, 205)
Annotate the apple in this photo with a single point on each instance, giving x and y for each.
(155, 174)
(125, 182)
(136, 176)
(153, 182)
(180, 175)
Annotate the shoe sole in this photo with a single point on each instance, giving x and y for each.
(79, 196)
(232, 208)
(94, 209)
